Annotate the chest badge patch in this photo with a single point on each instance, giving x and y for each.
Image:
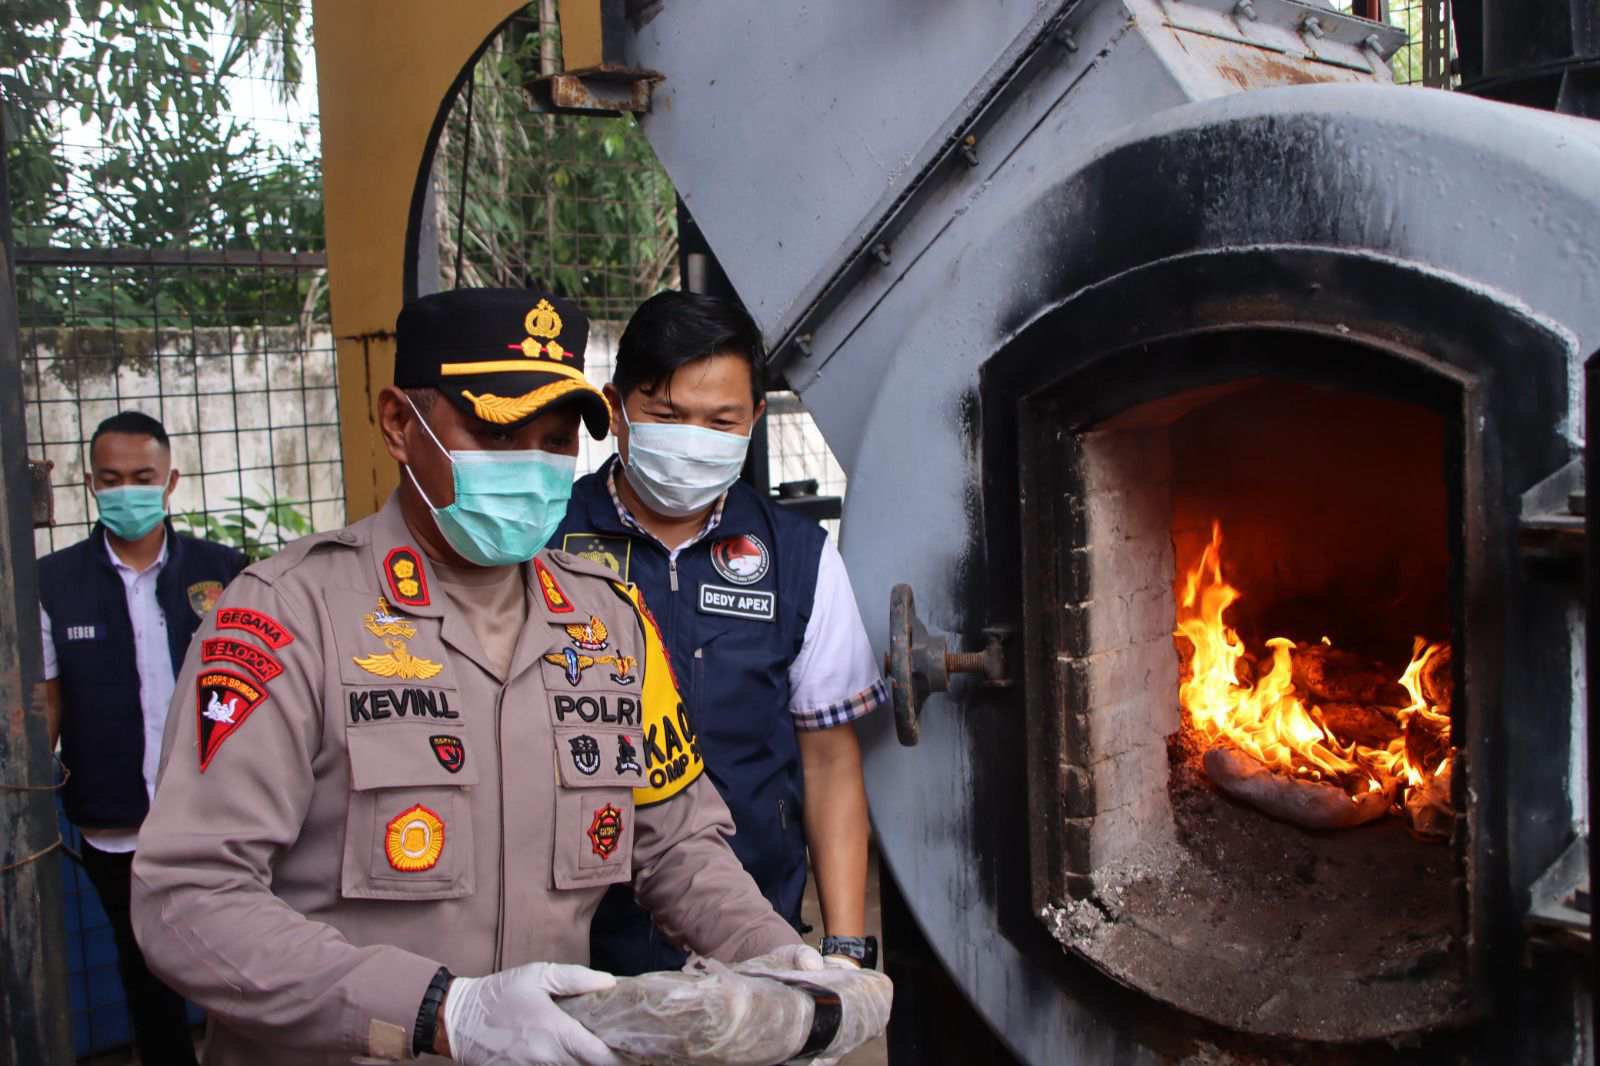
(258, 623)
(408, 582)
(223, 700)
(554, 598)
(605, 832)
(743, 559)
(383, 622)
(398, 662)
(448, 749)
(585, 754)
(414, 839)
(573, 663)
(614, 553)
(241, 653)
(203, 596)
(591, 636)
(627, 757)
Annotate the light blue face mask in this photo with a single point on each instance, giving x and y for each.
(131, 511)
(679, 469)
(507, 504)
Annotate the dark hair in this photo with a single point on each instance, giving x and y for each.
(134, 423)
(674, 328)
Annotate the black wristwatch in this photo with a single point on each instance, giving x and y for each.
(428, 1014)
(863, 949)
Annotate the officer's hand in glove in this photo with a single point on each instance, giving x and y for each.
(508, 1018)
(788, 957)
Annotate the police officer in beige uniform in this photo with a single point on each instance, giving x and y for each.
(414, 749)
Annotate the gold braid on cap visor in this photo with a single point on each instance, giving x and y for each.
(503, 410)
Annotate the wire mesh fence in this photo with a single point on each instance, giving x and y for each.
(1426, 57)
(163, 164)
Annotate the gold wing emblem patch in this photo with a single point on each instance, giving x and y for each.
(385, 623)
(398, 662)
(590, 636)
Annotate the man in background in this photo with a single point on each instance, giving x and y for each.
(757, 612)
(117, 610)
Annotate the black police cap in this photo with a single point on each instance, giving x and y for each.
(503, 356)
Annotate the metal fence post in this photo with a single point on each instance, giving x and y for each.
(35, 1027)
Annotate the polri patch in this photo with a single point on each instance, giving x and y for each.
(414, 839)
(203, 596)
(448, 749)
(408, 582)
(755, 604)
(741, 559)
(223, 700)
(262, 625)
(614, 553)
(554, 598)
(240, 653)
(605, 832)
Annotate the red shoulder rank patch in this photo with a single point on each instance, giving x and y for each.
(605, 832)
(243, 653)
(554, 598)
(223, 700)
(262, 625)
(408, 582)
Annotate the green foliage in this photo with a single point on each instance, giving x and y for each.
(258, 527)
(120, 133)
(574, 203)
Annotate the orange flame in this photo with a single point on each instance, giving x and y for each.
(1267, 719)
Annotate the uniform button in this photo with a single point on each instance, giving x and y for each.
(346, 537)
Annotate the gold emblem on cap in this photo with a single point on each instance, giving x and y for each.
(503, 410)
(543, 325)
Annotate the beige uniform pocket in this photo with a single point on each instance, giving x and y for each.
(408, 830)
(597, 768)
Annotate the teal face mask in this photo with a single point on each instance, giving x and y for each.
(507, 504)
(131, 511)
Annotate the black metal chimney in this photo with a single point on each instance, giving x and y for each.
(1539, 53)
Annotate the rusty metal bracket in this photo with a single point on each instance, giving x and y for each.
(919, 663)
(594, 91)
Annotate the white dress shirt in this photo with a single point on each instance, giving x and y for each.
(156, 680)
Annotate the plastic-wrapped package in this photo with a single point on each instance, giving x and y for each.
(750, 1014)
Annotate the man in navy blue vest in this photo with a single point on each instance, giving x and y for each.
(118, 610)
(757, 612)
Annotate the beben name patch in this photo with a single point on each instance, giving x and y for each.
(738, 603)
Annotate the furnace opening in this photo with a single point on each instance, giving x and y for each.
(1266, 746)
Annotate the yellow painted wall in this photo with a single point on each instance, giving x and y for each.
(383, 68)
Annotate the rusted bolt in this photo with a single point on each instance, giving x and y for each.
(963, 662)
(1246, 10)
(880, 252)
(969, 150)
(1371, 43)
(1312, 27)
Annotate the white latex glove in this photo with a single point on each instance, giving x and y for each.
(508, 1019)
(788, 957)
(840, 962)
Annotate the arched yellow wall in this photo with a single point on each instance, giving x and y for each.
(383, 69)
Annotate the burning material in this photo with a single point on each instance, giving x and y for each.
(1309, 733)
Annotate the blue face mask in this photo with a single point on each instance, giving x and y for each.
(131, 511)
(507, 504)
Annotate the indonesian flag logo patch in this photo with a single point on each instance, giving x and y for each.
(223, 700)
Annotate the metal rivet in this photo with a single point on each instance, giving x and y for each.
(803, 342)
(969, 150)
(1372, 44)
(1246, 10)
(1313, 26)
(880, 252)
(1066, 40)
